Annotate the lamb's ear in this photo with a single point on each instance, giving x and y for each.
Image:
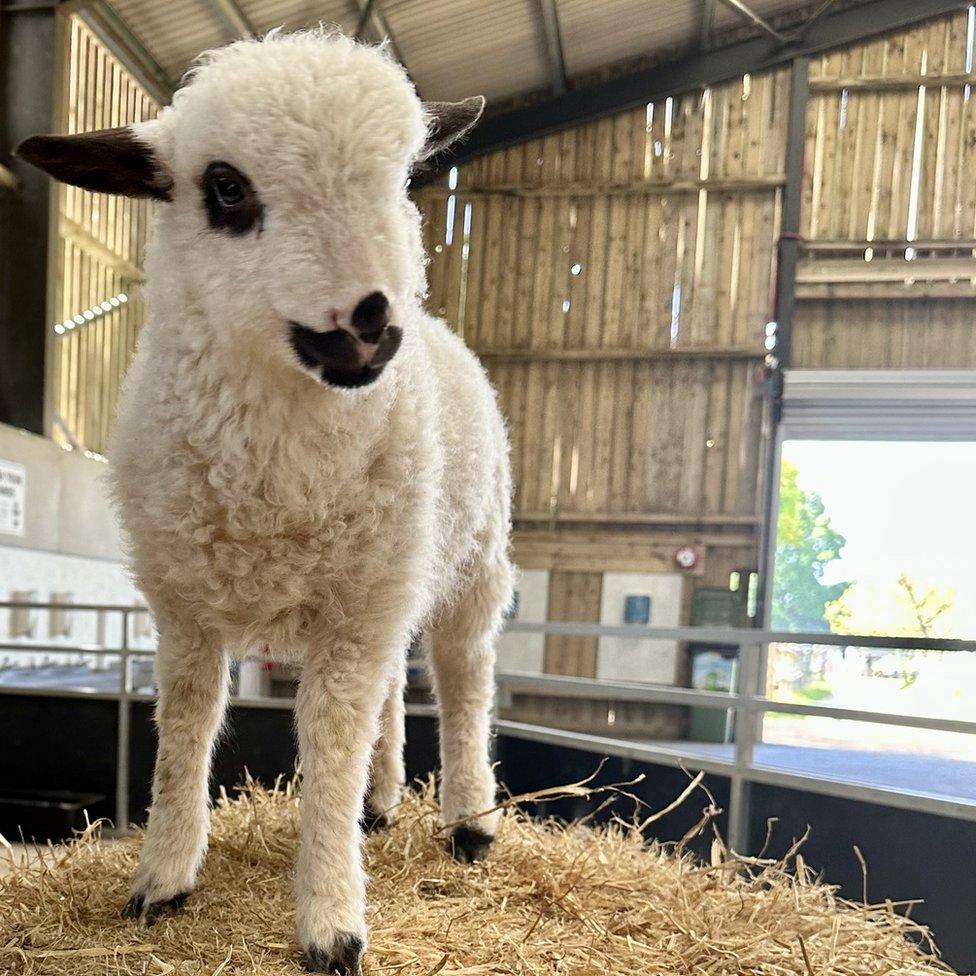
(107, 161)
(448, 122)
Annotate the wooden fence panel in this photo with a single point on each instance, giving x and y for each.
(573, 596)
(888, 277)
(102, 241)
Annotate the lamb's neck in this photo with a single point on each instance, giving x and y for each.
(231, 400)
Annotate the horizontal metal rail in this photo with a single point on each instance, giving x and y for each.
(737, 636)
(618, 691)
(748, 701)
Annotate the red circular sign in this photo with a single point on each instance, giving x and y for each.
(686, 557)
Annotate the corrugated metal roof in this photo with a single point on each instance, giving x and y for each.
(295, 14)
(174, 32)
(598, 34)
(454, 48)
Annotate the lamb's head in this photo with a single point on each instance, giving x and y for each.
(283, 166)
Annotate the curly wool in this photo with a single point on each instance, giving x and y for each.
(248, 489)
(263, 504)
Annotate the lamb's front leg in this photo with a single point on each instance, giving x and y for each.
(193, 676)
(339, 701)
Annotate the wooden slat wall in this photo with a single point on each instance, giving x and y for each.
(573, 596)
(888, 277)
(616, 280)
(101, 247)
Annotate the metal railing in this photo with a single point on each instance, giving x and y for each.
(748, 701)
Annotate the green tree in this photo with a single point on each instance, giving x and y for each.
(805, 545)
(902, 607)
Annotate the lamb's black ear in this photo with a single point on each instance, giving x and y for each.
(107, 161)
(449, 121)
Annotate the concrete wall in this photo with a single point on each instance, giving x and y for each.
(68, 508)
(70, 546)
(525, 652)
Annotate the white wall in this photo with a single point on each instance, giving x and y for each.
(68, 508)
(627, 659)
(71, 544)
(525, 652)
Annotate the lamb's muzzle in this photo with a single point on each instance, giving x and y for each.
(353, 355)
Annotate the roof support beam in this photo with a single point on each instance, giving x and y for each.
(31, 42)
(554, 45)
(813, 18)
(740, 8)
(109, 28)
(834, 29)
(370, 14)
(233, 18)
(364, 16)
(787, 259)
(707, 20)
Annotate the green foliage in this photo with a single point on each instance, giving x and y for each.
(814, 691)
(805, 545)
(902, 607)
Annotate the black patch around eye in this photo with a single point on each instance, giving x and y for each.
(231, 202)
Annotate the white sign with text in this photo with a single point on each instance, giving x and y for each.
(13, 497)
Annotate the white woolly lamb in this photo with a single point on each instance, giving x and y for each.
(303, 456)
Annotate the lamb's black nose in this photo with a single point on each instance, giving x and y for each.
(371, 316)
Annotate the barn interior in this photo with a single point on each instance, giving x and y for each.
(718, 258)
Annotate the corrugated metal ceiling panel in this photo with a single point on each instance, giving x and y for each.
(175, 31)
(597, 34)
(455, 48)
(296, 14)
(725, 17)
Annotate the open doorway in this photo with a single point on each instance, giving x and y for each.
(875, 537)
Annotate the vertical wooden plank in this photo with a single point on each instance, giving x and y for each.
(573, 597)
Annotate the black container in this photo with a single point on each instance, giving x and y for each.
(51, 816)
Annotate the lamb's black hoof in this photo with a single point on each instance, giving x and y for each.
(468, 844)
(371, 822)
(345, 957)
(152, 912)
(133, 907)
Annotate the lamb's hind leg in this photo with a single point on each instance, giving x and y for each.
(463, 656)
(387, 775)
(193, 677)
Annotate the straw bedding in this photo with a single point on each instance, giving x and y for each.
(549, 899)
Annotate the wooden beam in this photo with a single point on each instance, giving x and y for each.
(889, 244)
(885, 290)
(77, 234)
(633, 518)
(891, 270)
(754, 184)
(609, 354)
(878, 83)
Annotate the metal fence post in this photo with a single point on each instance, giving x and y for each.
(124, 724)
(748, 731)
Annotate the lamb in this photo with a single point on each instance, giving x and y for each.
(303, 456)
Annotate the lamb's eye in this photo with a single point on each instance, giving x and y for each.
(229, 192)
(231, 201)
